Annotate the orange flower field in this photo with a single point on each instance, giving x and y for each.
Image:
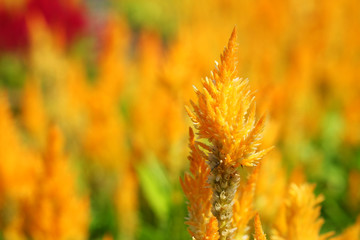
(117, 124)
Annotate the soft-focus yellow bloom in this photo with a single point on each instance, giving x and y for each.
(158, 130)
(51, 211)
(302, 215)
(103, 139)
(46, 58)
(19, 170)
(19, 167)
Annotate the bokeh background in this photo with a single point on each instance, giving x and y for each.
(93, 129)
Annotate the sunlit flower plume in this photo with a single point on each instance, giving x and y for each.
(225, 116)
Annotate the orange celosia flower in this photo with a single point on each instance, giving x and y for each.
(19, 167)
(201, 224)
(105, 131)
(19, 170)
(302, 215)
(259, 233)
(159, 130)
(225, 115)
(50, 214)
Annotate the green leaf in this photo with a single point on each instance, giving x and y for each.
(12, 72)
(155, 187)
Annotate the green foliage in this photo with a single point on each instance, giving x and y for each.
(155, 187)
(103, 217)
(12, 71)
(158, 15)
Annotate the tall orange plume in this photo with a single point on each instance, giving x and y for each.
(51, 213)
(225, 116)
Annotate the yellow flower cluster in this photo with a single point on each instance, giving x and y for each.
(225, 117)
(38, 187)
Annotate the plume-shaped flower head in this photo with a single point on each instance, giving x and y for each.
(225, 112)
(225, 116)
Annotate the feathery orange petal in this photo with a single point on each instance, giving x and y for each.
(259, 233)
